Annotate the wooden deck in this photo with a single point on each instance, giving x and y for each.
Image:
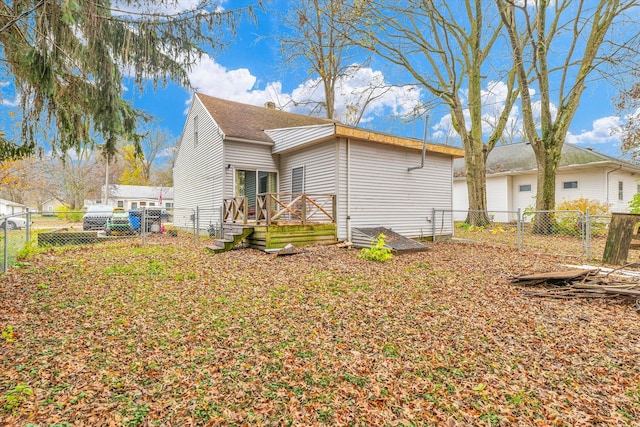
(279, 219)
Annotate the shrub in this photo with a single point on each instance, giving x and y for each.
(64, 212)
(377, 252)
(572, 224)
(634, 204)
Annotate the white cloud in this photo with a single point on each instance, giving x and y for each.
(4, 101)
(239, 85)
(604, 130)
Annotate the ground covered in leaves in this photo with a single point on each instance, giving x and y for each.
(166, 334)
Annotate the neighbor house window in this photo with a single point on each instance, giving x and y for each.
(297, 180)
(620, 190)
(570, 184)
(195, 131)
(121, 203)
(525, 187)
(134, 205)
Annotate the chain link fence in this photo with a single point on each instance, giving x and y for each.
(44, 229)
(558, 232)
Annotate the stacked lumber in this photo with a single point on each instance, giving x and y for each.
(581, 283)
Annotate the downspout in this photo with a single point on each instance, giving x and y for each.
(607, 184)
(348, 190)
(424, 145)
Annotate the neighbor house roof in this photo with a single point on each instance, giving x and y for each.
(10, 203)
(249, 122)
(139, 192)
(515, 158)
(246, 121)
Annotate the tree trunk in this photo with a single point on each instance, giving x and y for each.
(475, 161)
(546, 196)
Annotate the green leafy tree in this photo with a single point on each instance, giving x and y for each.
(67, 60)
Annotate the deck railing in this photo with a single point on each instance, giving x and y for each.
(296, 208)
(287, 208)
(235, 210)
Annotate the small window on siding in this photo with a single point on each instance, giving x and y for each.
(195, 131)
(570, 184)
(525, 187)
(121, 203)
(620, 190)
(297, 180)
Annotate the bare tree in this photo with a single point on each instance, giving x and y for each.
(629, 104)
(76, 174)
(317, 40)
(444, 46)
(557, 46)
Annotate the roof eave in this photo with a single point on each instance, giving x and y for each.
(249, 141)
(368, 135)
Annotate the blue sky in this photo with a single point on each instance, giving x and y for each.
(249, 71)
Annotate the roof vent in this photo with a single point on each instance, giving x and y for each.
(270, 105)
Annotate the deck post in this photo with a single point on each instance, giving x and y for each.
(245, 203)
(303, 209)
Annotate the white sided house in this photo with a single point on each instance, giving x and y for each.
(139, 196)
(582, 173)
(230, 151)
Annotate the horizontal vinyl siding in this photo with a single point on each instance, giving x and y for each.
(246, 156)
(385, 193)
(630, 188)
(287, 139)
(319, 164)
(198, 171)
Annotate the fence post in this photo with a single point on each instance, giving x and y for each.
(587, 232)
(433, 225)
(519, 230)
(28, 228)
(143, 224)
(197, 231)
(6, 246)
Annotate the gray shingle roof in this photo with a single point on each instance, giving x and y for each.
(245, 121)
(520, 157)
(139, 192)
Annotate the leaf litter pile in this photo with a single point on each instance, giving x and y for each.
(166, 334)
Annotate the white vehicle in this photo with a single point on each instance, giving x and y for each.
(13, 222)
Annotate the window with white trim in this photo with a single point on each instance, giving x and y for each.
(620, 190)
(525, 187)
(297, 180)
(569, 184)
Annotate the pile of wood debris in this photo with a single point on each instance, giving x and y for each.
(583, 283)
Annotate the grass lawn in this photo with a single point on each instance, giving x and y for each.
(166, 334)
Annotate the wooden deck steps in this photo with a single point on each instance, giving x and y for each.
(232, 235)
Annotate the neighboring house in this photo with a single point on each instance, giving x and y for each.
(229, 149)
(51, 205)
(8, 207)
(139, 196)
(582, 173)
